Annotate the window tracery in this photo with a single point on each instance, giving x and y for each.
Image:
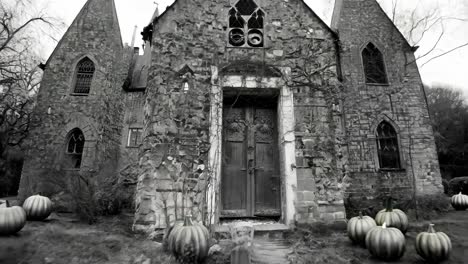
(134, 137)
(387, 146)
(246, 21)
(374, 67)
(75, 146)
(84, 75)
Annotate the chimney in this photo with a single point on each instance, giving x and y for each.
(133, 36)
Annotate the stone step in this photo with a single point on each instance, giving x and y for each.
(270, 230)
(270, 251)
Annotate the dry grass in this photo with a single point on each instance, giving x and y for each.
(63, 240)
(321, 245)
(68, 242)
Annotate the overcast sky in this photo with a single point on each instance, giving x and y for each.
(450, 69)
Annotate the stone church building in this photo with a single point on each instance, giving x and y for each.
(237, 109)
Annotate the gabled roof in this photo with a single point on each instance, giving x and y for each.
(78, 17)
(155, 19)
(338, 9)
(393, 24)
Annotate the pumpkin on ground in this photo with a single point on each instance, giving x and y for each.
(12, 219)
(392, 217)
(358, 227)
(37, 207)
(167, 232)
(459, 201)
(433, 246)
(189, 243)
(386, 243)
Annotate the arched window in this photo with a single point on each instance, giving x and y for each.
(186, 87)
(75, 146)
(84, 75)
(374, 67)
(246, 25)
(387, 146)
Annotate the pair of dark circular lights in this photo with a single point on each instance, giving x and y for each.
(254, 37)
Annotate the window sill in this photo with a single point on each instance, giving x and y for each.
(377, 84)
(391, 170)
(132, 147)
(72, 169)
(79, 94)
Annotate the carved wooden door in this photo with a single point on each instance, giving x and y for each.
(250, 184)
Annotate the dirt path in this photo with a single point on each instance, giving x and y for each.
(270, 251)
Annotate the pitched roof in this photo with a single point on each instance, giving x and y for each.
(338, 9)
(155, 19)
(82, 14)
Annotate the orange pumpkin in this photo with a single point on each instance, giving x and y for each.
(189, 243)
(386, 243)
(12, 219)
(358, 227)
(37, 207)
(459, 201)
(392, 217)
(433, 246)
(168, 231)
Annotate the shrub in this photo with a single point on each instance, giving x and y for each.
(97, 194)
(89, 193)
(358, 203)
(445, 184)
(109, 199)
(10, 173)
(430, 206)
(457, 185)
(109, 194)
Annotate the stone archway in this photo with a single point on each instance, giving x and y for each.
(286, 139)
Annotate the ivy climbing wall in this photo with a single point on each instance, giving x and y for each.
(174, 161)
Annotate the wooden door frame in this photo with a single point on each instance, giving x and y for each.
(286, 139)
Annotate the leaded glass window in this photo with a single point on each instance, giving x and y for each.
(387, 146)
(374, 67)
(134, 137)
(246, 25)
(84, 76)
(75, 146)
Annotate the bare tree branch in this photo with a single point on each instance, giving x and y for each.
(445, 53)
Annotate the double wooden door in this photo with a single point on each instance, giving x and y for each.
(250, 183)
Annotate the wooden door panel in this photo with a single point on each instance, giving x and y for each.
(267, 192)
(234, 186)
(234, 173)
(250, 182)
(267, 184)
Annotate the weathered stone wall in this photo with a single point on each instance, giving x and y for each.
(334, 124)
(176, 141)
(94, 33)
(128, 167)
(402, 103)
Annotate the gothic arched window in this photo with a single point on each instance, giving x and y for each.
(387, 146)
(246, 25)
(84, 75)
(374, 66)
(75, 146)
